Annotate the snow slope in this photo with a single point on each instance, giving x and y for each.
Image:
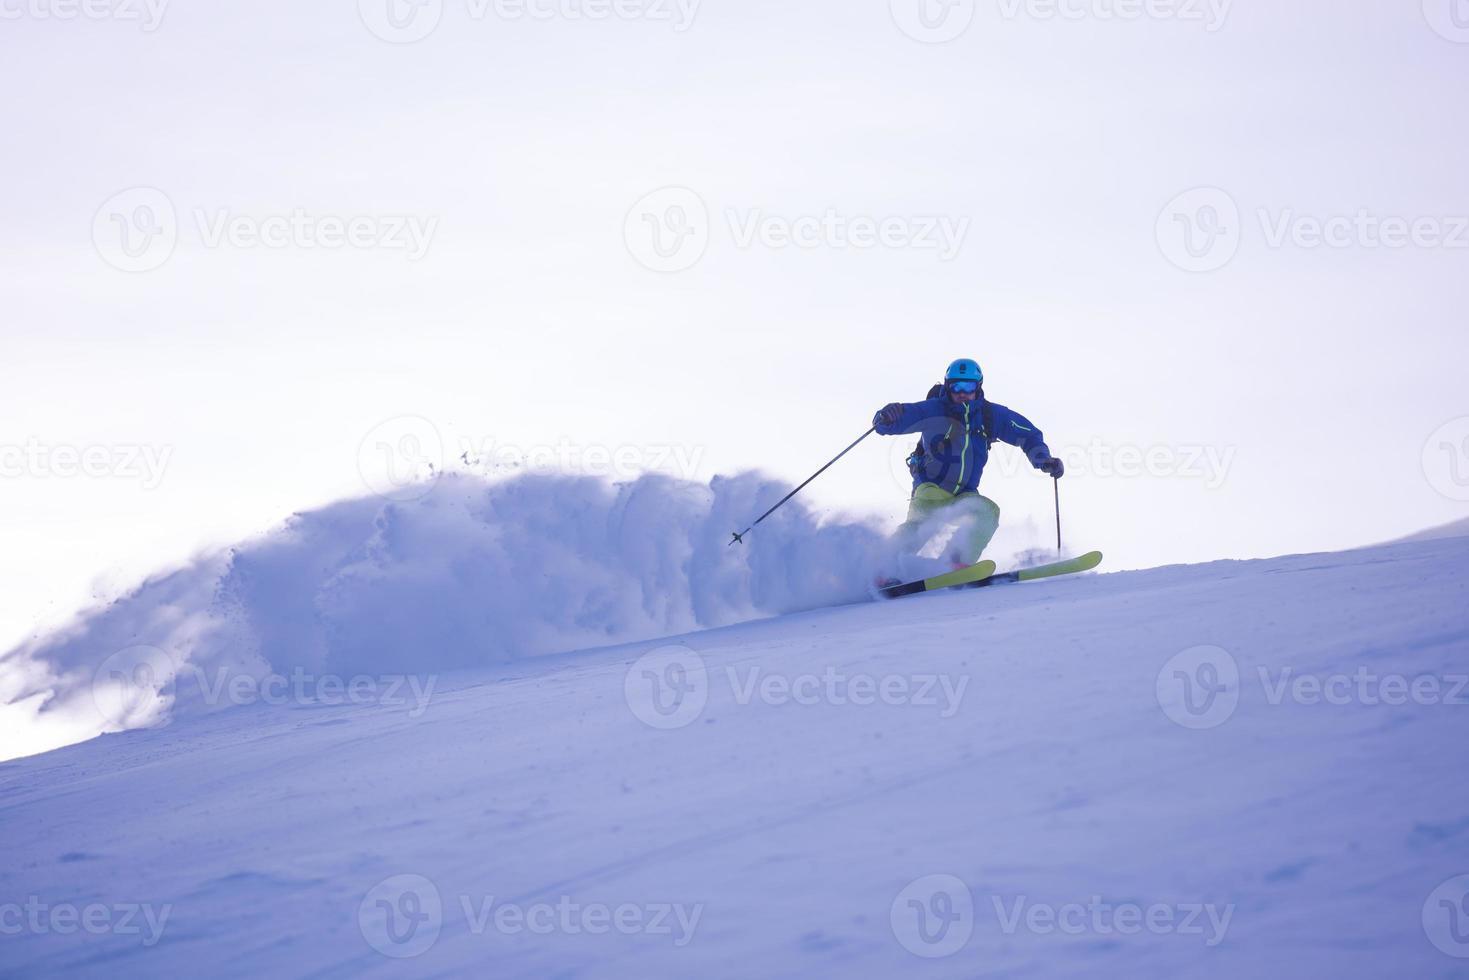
(1454, 529)
(1046, 788)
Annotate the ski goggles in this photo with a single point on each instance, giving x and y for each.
(964, 387)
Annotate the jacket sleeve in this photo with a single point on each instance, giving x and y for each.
(914, 415)
(1017, 430)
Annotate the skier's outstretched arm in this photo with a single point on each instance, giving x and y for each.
(1017, 430)
(902, 419)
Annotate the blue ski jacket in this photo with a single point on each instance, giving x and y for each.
(956, 442)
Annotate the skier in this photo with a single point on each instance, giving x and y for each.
(957, 427)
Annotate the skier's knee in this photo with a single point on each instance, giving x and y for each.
(992, 507)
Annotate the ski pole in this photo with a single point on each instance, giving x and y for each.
(1057, 487)
(740, 536)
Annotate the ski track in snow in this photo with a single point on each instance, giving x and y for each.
(1323, 829)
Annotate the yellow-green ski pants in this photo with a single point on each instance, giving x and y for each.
(977, 515)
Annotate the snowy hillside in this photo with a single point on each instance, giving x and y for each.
(1244, 768)
(1455, 529)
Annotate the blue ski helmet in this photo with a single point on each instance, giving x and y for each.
(964, 370)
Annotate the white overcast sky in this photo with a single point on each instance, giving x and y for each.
(1320, 378)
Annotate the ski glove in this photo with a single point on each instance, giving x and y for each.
(889, 415)
(1053, 468)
